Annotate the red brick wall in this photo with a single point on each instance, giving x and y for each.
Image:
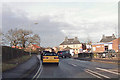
(115, 44)
(99, 49)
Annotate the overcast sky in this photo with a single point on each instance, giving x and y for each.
(85, 20)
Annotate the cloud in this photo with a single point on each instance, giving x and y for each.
(48, 31)
(57, 20)
(61, 1)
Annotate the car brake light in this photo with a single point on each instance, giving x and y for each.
(55, 57)
(45, 57)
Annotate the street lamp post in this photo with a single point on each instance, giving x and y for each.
(30, 49)
(30, 42)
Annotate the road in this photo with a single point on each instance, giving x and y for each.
(73, 68)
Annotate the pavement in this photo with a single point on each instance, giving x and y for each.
(104, 60)
(107, 60)
(23, 70)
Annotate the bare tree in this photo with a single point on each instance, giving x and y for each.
(12, 37)
(36, 39)
(1, 38)
(21, 37)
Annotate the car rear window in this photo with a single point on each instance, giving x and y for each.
(59, 51)
(46, 52)
(50, 54)
(63, 52)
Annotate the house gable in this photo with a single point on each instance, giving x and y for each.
(108, 38)
(70, 41)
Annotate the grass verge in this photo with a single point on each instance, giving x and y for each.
(14, 62)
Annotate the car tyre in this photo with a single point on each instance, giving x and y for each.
(65, 56)
(57, 64)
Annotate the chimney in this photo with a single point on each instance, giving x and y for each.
(66, 38)
(103, 36)
(75, 38)
(113, 36)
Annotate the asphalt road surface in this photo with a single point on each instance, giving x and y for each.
(72, 68)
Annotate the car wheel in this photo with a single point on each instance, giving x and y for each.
(57, 64)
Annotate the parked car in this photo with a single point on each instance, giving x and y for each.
(108, 53)
(112, 52)
(64, 54)
(50, 57)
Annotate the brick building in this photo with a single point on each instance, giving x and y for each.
(106, 43)
(49, 49)
(101, 47)
(116, 45)
(33, 48)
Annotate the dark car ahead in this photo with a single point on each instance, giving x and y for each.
(64, 54)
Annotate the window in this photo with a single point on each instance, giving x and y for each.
(73, 45)
(76, 45)
(119, 46)
(94, 48)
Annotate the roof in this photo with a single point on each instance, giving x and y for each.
(102, 43)
(35, 46)
(70, 41)
(107, 39)
(17, 47)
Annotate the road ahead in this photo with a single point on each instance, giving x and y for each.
(72, 68)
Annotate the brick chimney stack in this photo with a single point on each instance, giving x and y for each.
(103, 36)
(66, 38)
(113, 36)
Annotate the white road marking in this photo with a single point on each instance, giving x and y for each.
(108, 71)
(73, 65)
(114, 70)
(92, 74)
(37, 71)
(97, 73)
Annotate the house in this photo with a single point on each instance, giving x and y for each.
(106, 43)
(56, 49)
(101, 47)
(72, 43)
(18, 47)
(107, 38)
(116, 44)
(49, 49)
(33, 48)
(88, 47)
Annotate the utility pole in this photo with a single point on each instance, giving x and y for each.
(30, 49)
